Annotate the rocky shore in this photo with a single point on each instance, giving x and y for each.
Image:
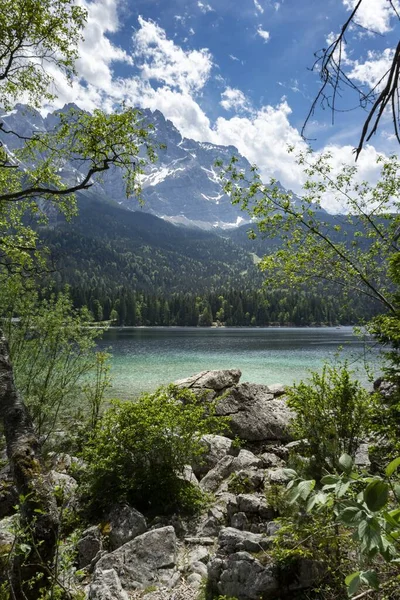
(222, 552)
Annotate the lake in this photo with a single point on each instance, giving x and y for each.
(144, 358)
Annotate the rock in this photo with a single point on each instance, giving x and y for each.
(277, 389)
(203, 541)
(361, 458)
(64, 463)
(189, 476)
(277, 476)
(255, 415)
(232, 540)
(195, 581)
(216, 447)
(7, 536)
(242, 576)
(212, 380)
(225, 467)
(89, 546)
(106, 586)
(269, 459)
(148, 559)
(67, 486)
(125, 524)
(199, 568)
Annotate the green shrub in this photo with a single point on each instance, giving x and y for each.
(139, 449)
(333, 413)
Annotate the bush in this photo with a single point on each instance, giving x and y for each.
(333, 413)
(139, 450)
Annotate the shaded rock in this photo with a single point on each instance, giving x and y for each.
(7, 536)
(242, 576)
(225, 467)
(216, 447)
(89, 546)
(106, 585)
(255, 415)
(269, 459)
(126, 523)
(361, 458)
(212, 380)
(148, 559)
(277, 389)
(232, 540)
(67, 487)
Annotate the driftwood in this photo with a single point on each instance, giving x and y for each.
(38, 509)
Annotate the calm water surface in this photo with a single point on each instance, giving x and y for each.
(144, 358)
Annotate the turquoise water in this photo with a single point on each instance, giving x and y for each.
(144, 358)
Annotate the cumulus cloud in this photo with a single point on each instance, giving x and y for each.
(375, 15)
(372, 72)
(263, 33)
(234, 99)
(166, 77)
(161, 59)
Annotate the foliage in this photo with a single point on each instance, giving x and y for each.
(139, 450)
(364, 505)
(311, 249)
(53, 352)
(332, 413)
(95, 390)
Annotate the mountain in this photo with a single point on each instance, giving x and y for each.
(109, 247)
(183, 186)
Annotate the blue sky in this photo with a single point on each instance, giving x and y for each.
(235, 72)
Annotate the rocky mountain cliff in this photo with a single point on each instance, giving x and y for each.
(182, 187)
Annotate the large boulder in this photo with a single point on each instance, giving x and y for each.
(225, 467)
(255, 414)
(258, 413)
(147, 560)
(242, 576)
(215, 448)
(211, 380)
(125, 523)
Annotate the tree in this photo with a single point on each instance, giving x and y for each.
(383, 97)
(35, 35)
(352, 252)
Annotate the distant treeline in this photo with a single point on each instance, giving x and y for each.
(228, 307)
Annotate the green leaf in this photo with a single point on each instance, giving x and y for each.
(353, 582)
(351, 515)
(370, 578)
(330, 479)
(346, 463)
(392, 466)
(305, 488)
(376, 495)
(290, 473)
(341, 488)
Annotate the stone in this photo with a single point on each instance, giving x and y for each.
(269, 459)
(277, 476)
(67, 484)
(125, 524)
(148, 559)
(255, 416)
(212, 380)
(225, 467)
(199, 568)
(7, 537)
(361, 458)
(277, 389)
(195, 580)
(216, 447)
(242, 576)
(89, 546)
(189, 475)
(202, 541)
(106, 585)
(232, 540)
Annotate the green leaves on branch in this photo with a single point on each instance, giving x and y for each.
(366, 505)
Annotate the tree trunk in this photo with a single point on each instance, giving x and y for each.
(38, 510)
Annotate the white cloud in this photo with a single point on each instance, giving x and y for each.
(375, 15)
(204, 7)
(162, 60)
(263, 33)
(234, 99)
(373, 71)
(258, 7)
(261, 136)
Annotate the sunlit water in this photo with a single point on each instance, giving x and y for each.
(144, 358)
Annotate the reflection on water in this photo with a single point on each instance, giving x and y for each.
(144, 358)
